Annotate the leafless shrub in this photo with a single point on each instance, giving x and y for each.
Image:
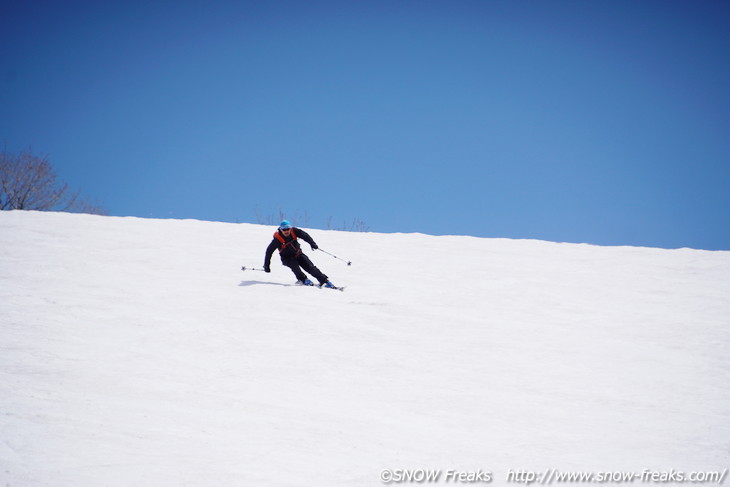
(298, 220)
(357, 225)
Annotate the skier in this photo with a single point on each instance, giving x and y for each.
(286, 241)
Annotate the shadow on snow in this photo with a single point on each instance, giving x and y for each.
(254, 283)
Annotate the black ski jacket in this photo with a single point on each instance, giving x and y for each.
(288, 247)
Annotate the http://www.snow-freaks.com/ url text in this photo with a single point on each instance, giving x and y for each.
(551, 476)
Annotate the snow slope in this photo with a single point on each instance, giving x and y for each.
(135, 352)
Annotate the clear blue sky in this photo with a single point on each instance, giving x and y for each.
(605, 122)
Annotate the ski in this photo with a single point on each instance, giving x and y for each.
(336, 288)
(320, 286)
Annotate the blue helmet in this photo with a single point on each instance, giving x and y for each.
(284, 225)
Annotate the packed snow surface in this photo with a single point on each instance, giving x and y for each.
(136, 352)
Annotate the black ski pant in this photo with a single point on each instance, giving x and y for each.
(302, 262)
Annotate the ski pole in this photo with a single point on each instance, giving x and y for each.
(343, 260)
(244, 268)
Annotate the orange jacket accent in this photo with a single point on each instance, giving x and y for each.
(291, 243)
(278, 237)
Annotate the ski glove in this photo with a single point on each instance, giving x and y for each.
(267, 268)
(314, 246)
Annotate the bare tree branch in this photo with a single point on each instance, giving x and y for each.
(28, 182)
